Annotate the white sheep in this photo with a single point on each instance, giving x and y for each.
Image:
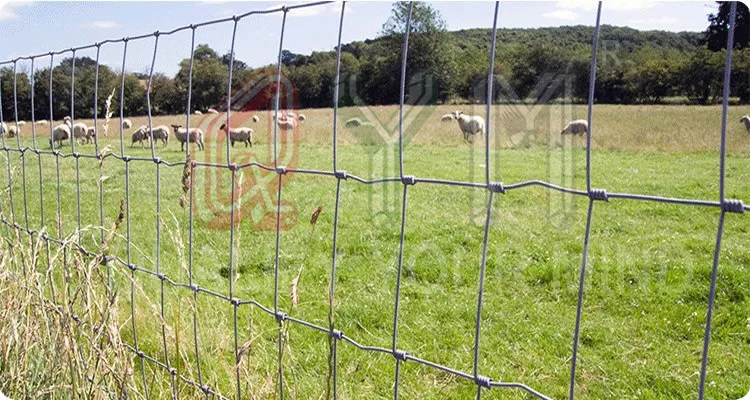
(287, 124)
(59, 133)
(447, 118)
(469, 124)
(42, 122)
(355, 122)
(195, 136)
(140, 135)
(160, 132)
(79, 129)
(302, 117)
(21, 124)
(577, 127)
(289, 114)
(212, 111)
(126, 124)
(241, 134)
(13, 130)
(256, 118)
(746, 120)
(197, 112)
(3, 128)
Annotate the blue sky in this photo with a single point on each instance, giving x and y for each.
(34, 27)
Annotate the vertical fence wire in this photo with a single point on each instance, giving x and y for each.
(335, 336)
(722, 198)
(402, 92)
(587, 234)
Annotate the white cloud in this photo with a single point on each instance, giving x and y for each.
(311, 11)
(617, 5)
(566, 15)
(653, 23)
(8, 9)
(104, 24)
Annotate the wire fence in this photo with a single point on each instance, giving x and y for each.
(336, 336)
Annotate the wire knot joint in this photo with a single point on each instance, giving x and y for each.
(483, 381)
(733, 206)
(337, 334)
(341, 175)
(598, 194)
(400, 355)
(408, 180)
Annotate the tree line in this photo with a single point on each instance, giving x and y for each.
(543, 65)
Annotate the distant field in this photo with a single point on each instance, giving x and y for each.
(646, 289)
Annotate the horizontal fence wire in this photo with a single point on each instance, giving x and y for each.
(9, 218)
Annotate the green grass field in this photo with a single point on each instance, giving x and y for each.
(646, 288)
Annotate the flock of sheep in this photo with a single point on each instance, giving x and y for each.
(470, 125)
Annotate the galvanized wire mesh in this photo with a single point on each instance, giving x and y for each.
(400, 355)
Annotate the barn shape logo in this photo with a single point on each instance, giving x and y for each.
(256, 188)
(378, 133)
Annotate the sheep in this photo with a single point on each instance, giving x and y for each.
(13, 131)
(195, 136)
(577, 127)
(287, 124)
(21, 124)
(240, 134)
(746, 120)
(59, 133)
(447, 118)
(126, 124)
(90, 134)
(197, 112)
(160, 132)
(469, 124)
(353, 122)
(289, 114)
(3, 128)
(256, 118)
(302, 117)
(80, 131)
(212, 111)
(42, 122)
(140, 135)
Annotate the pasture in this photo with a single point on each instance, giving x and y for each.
(646, 287)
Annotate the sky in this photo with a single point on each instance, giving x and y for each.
(35, 27)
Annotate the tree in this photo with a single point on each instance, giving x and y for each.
(237, 65)
(715, 36)
(429, 54)
(424, 19)
(209, 84)
(23, 95)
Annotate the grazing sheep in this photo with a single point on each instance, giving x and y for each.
(140, 135)
(13, 131)
(90, 134)
(469, 124)
(126, 124)
(577, 127)
(3, 128)
(447, 118)
(59, 133)
(42, 122)
(289, 114)
(240, 134)
(21, 123)
(80, 131)
(212, 111)
(746, 121)
(160, 132)
(302, 117)
(287, 124)
(355, 122)
(256, 118)
(195, 136)
(196, 112)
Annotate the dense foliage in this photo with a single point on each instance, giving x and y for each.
(543, 64)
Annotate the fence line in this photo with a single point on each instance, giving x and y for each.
(335, 336)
